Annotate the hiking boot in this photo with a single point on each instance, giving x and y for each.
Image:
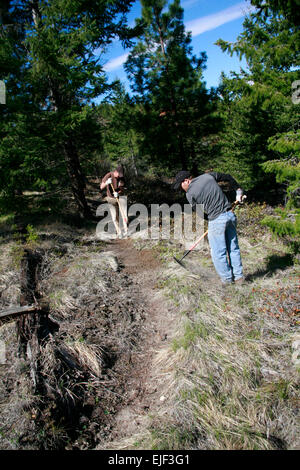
(241, 280)
(224, 285)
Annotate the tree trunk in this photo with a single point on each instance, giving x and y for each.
(59, 101)
(28, 325)
(77, 179)
(133, 159)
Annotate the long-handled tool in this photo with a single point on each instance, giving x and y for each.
(191, 249)
(121, 210)
(201, 238)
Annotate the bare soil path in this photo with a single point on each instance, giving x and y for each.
(143, 269)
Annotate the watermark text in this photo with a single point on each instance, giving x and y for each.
(2, 352)
(158, 222)
(2, 92)
(296, 92)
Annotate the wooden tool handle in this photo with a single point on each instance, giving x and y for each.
(120, 207)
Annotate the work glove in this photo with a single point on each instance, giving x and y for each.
(116, 194)
(239, 195)
(109, 181)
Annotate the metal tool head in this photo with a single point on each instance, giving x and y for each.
(179, 262)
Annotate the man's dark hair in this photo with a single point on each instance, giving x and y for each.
(120, 170)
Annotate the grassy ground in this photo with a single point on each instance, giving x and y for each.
(227, 376)
(233, 365)
(82, 366)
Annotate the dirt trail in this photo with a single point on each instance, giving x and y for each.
(143, 270)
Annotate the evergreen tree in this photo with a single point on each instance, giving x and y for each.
(287, 221)
(167, 81)
(289, 8)
(61, 75)
(286, 144)
(257, 105)
(16, 110)
(120, 140)
(261, 137)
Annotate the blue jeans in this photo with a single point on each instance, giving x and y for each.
(225, 251)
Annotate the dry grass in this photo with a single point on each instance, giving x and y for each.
(230, 377)
(9, 274)
(227, 378)
(98, 327)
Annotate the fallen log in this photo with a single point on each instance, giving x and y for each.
(19, 310)
(27, 326)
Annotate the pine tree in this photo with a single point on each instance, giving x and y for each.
(262, 133)
(168, 85)
(286, 144)
(257, 105)
(61, 75)
(120, 140)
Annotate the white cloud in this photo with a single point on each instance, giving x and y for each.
(197, 26)
(209, 22)
(115, 63)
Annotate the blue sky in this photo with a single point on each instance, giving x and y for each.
(208, 20)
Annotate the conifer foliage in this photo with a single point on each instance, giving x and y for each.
(52, 75)
(52, 131)
(261, 134)
(167, 81)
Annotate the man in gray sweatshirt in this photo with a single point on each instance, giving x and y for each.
(222, 235)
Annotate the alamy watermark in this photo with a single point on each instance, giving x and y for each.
(159, 221)
(2, 352)
(2, 92)
(296, 92)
